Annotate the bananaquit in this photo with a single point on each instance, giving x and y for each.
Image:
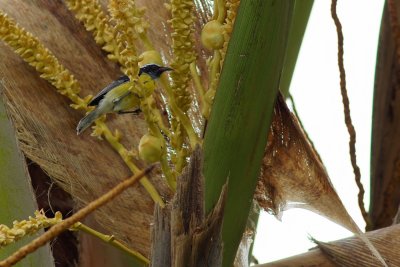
(117, 98)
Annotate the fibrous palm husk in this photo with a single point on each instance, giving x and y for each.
(83, 166)
(292, 174)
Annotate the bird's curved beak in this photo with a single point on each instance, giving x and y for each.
(162, 69)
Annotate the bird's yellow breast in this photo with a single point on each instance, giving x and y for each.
(147, 85)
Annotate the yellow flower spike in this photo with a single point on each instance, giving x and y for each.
(21, 41)
(23, 228)
(178, 95)
(232, 7)
(90, 13)
(183, 48)
(18, 39)
(129, 22)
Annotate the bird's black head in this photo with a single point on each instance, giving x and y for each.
(153, 70)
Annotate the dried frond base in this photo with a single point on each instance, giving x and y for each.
(182, 235)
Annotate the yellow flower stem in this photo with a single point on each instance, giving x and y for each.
(125, 155)
(214, 71)
(215, 11)
(110, 239)
(183, 118)
(169, 176)
(221, 10)
(197, 82)
(180, 164)
(145, 105)
(161, 124)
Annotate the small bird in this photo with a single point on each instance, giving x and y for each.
(116, 97)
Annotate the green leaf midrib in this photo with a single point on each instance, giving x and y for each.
(237, 131)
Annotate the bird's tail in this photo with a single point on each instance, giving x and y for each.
(86, 121)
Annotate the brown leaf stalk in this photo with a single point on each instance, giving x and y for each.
(347, 117)
(78, 216)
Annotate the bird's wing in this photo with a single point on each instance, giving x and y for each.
(95, 101)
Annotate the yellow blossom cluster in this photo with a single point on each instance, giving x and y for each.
(231, 12)
(24, 228)
(90, 13)
(128, 27)
(182, 23)
(31, 50)
(215, 36)
(129, 17)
